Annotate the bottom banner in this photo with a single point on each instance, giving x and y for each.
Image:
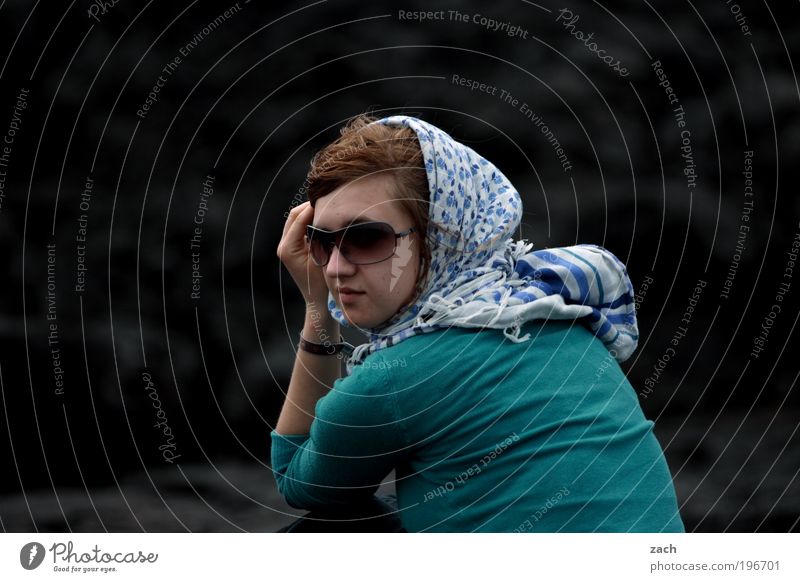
(389, 557)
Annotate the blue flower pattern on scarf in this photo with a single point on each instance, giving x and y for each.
(480, 277)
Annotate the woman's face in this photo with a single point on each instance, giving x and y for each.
(381, 289)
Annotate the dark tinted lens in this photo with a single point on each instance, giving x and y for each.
(368, 243)
(319, 246)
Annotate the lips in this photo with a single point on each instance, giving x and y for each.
(347, 295)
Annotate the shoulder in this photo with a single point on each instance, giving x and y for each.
(551, 344)
(363, 399)
(543, 335)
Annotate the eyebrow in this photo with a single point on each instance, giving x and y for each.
(358, 220)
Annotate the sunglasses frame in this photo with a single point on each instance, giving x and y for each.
(335, 236)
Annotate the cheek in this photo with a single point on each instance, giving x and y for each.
(405, 280)
(389, 285)
(393, 281)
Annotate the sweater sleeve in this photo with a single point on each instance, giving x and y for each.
(355, 440)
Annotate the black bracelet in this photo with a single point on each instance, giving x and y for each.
(326, 349)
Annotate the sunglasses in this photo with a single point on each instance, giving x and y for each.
(361, 244)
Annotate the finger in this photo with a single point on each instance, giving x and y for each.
(293, 214)
(293, 241)
(285, 235)
(298, 227)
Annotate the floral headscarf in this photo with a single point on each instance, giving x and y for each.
(479, 277)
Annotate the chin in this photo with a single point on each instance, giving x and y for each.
(361, 321)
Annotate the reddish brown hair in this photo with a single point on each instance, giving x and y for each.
(366, 148)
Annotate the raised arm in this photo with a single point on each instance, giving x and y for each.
(313, 375)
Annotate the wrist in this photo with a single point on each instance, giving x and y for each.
(337, 348)
(319, 325)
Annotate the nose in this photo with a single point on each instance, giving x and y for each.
(338, 265)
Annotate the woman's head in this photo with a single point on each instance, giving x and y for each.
(373, 172)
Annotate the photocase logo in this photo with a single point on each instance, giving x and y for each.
(31, 555)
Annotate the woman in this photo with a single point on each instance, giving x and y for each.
(489, 382)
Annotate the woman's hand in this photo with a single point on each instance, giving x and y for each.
(293, 253)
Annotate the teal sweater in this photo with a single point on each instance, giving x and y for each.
(487, 435)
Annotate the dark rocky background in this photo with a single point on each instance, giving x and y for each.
(249, 103)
